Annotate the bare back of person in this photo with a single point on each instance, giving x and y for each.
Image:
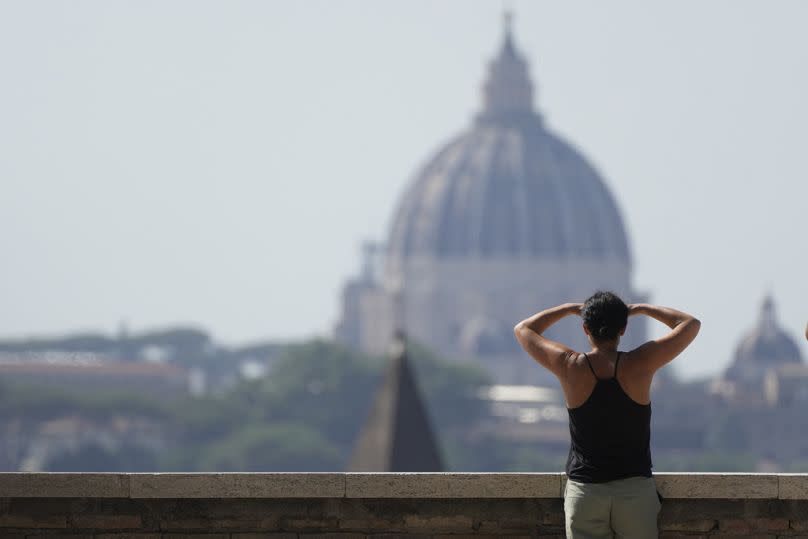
(610, 488)
(581, 379)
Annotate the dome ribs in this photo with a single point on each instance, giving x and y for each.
(451, 239)
(562, 208)
(497, 232)
(509, 191)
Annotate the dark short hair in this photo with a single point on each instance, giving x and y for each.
(605, 315)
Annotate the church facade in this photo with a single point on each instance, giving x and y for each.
(504, 219)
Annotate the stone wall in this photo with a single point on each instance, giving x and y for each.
(353, 506)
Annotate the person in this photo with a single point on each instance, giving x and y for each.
(610, 491)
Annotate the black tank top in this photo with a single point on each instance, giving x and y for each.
(610, 434)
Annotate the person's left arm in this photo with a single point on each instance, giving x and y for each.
(550, 354)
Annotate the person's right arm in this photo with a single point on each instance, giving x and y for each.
(684, 328)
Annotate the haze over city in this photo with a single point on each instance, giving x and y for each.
(183, 163)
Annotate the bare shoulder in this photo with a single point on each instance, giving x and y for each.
(569, 368)
(577, 371)
(576, 382)
(653, 355)
(573, 360)
(637, 360)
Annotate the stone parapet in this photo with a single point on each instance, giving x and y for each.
(354, 505)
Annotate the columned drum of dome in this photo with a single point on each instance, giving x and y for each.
(502, 220)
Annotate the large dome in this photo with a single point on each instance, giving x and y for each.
(504, 217)
(508, 187)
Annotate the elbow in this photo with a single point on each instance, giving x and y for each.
(518, 330)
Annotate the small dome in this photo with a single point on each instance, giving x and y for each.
(508, 187)
(764, 347)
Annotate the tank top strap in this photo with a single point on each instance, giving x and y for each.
(616, 363)
(590, 366)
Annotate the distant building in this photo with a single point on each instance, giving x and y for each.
(140, 377)
(504, 219)
(175, 359)
(787, 386)
(767, 360)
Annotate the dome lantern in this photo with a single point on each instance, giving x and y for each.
(508, 90)
(768, 317)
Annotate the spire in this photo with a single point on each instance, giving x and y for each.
(508, 91)
(507, 19)
(397, 436)
(768, 316)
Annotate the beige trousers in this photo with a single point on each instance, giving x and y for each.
(622, 509)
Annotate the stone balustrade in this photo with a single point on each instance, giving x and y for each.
(364, 505)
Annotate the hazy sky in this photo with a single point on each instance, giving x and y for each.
(219, 163)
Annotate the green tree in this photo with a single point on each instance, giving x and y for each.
(277, 447)
(93, 458)
(450, 388)
(319, 384)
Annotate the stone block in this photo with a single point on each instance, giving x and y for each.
(311, 524)
(127, 535)
(64, 485)
(796, 511)
(448, 485)
(494, 526)
(398, 536)
(479, 536)
(333, 535)
(196, 536)
(33, 521)
(793, 487)
(701, 525)
(105, 522)
(238, 485)
(263, 535)
(761, 524)
(729, 486)
(256, 523)
(552, 516)
(368, 523)
(439, 522)
(681, 510)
